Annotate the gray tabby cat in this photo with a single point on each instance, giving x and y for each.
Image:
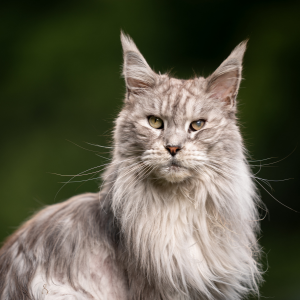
(177, 216)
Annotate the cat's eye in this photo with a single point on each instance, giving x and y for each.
(156, 122)
(197, 125)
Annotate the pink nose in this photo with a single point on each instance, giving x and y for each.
(173, 149)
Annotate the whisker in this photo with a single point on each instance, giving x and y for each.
(82, 147)
(131, 169)
(90, 179)
(279, 179)
(103, 157)
(141, 166)
(112, 147)
(276, 199)
(258, 170)
(261, 159)
(265, 181)
(77, 181)
(80, 174)
(75, 175)
(281, 159)
(119, 169)
(99, 145)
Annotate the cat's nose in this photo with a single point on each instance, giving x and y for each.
(173, 149)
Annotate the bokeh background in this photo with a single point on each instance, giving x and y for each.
(60, 88)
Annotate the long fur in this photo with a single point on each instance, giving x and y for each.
(163, 227)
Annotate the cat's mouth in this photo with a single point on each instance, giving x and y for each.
(175, 166)
(173, 171)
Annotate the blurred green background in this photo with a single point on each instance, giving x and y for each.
(60, 85)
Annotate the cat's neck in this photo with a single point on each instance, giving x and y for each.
(183, 235)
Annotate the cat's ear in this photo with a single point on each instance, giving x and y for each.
(224, 83)
(137, 73)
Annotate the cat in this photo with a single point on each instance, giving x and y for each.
(177, 216)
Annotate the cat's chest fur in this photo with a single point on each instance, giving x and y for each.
(167, 247)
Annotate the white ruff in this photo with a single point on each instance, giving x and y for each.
(193, 238)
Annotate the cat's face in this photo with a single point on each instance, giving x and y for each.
(178, 129)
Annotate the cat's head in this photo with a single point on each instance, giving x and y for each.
(179, 129)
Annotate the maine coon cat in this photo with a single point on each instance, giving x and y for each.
(176, 218)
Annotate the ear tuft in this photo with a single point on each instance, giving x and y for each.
(127, 43)
(239, 51)
(137, 73)
(224, 83)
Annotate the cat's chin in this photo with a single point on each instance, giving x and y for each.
(174, 174)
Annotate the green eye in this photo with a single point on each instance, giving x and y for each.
(156, 122)
(197, 125)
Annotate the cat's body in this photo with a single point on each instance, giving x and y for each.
(68, 241)
(177, 216)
